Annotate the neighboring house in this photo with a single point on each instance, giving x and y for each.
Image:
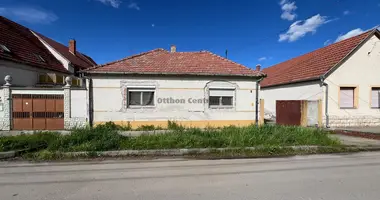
(23, 56)
(34, 60)
(344, 76)
(196, 89)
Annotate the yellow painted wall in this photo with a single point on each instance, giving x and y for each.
(194, 124)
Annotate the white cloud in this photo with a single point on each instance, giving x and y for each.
(29, 14)
(300, 28)
(153, 25)
(346, 12)
(288, 9)
(349, 34)
(262, 59)
(113, 3)
(327, 42)
(133, 6)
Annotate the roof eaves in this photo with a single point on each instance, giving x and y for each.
(292, 82)
(337, 65)
(259, 74)
(123, 59)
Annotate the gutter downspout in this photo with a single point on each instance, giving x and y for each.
(257, 100)
(323, 78)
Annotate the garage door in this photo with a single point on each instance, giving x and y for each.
(38, 112)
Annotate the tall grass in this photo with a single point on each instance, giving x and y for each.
(106, 137)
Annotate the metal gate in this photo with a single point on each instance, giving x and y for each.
(288, 112)
(38, 112)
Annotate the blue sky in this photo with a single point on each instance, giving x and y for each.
(253, 31)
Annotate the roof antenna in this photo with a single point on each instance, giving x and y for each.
(226, 53)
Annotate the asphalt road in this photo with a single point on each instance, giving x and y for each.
(334, 177)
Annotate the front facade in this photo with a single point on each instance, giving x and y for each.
(164, 89)
(348, 86)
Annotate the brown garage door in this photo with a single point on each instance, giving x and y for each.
(288, 112)
(38, 112)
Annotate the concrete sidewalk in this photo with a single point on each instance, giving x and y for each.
(357, 141)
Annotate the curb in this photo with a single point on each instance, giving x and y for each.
(185, 152)
(8, 154)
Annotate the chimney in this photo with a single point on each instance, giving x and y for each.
(258, 68)
(173, 49)
(73, 46)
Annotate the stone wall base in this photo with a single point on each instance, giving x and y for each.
(75, 122)
(352, 121)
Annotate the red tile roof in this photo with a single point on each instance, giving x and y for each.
(25, 47)
(314, 64)
(79, 60)
(160, 61)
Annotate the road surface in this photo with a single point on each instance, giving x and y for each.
(327, 177)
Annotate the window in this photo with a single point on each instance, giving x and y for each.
(76, 82)
(348, 97)
(375, 97)
(45, 78)
(140, 97)
(221, 98)
(4, 48)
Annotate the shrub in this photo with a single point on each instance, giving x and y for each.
(111, 126)
(98, 139)
(32, 142)
(146, 128)
(172, 125)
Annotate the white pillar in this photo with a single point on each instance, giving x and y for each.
(67, 103)
(7, 106)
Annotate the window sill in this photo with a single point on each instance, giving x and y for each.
(141, 107)
(221, 108)
(348, 108)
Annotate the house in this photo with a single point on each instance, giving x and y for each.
(196, 89)
(34, 60)
(35, 99)
(343, 76)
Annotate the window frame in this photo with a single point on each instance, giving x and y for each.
(355, 97)
(221, 106)
(370, 97)
(141, 90)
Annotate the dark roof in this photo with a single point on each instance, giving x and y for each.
(25, 47)
(314, 64)
(79, 60)
(160, 61)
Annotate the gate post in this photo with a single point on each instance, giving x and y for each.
(7, 105)
(67, 102)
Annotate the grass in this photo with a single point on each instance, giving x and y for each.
(105, 138)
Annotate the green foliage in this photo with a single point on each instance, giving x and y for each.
(30, 141)
(106, 137)
(111, 126)
(172, 125)
(146, 128)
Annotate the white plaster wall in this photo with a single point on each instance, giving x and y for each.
(362, 70)
(1, 103)
(23, 75)
(37, 91)
(298, 91)
(79, 103)
(109, 96)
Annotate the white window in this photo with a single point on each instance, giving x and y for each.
(140, 97)
(221, 98)
(375, 94)
(347, 97)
